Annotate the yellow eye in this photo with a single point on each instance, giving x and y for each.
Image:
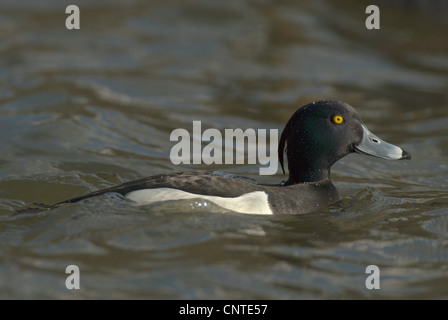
(338, 119)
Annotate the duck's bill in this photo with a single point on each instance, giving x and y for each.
(374, 146)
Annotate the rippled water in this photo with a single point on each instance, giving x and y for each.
(86, 109)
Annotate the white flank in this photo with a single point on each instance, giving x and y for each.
(250, 203)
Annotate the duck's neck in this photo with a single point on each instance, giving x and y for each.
(307, 174)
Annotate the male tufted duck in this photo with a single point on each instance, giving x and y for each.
(316, 136)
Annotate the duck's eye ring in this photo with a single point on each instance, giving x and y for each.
(338, 119)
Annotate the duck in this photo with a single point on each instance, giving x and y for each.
(316, 136)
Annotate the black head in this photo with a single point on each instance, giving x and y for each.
(321, 133)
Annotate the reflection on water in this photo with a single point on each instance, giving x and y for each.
(83, 110)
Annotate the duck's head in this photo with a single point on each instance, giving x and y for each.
(321, 133)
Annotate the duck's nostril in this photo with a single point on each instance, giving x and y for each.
(375, 140)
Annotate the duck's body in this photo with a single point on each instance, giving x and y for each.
(317, 135)
(235, 193)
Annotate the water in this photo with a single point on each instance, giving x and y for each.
(87, 109)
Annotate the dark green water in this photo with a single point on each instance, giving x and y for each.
(87, 109)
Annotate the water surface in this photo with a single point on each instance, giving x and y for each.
(87, 109)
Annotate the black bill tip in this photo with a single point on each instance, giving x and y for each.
(405, 155)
